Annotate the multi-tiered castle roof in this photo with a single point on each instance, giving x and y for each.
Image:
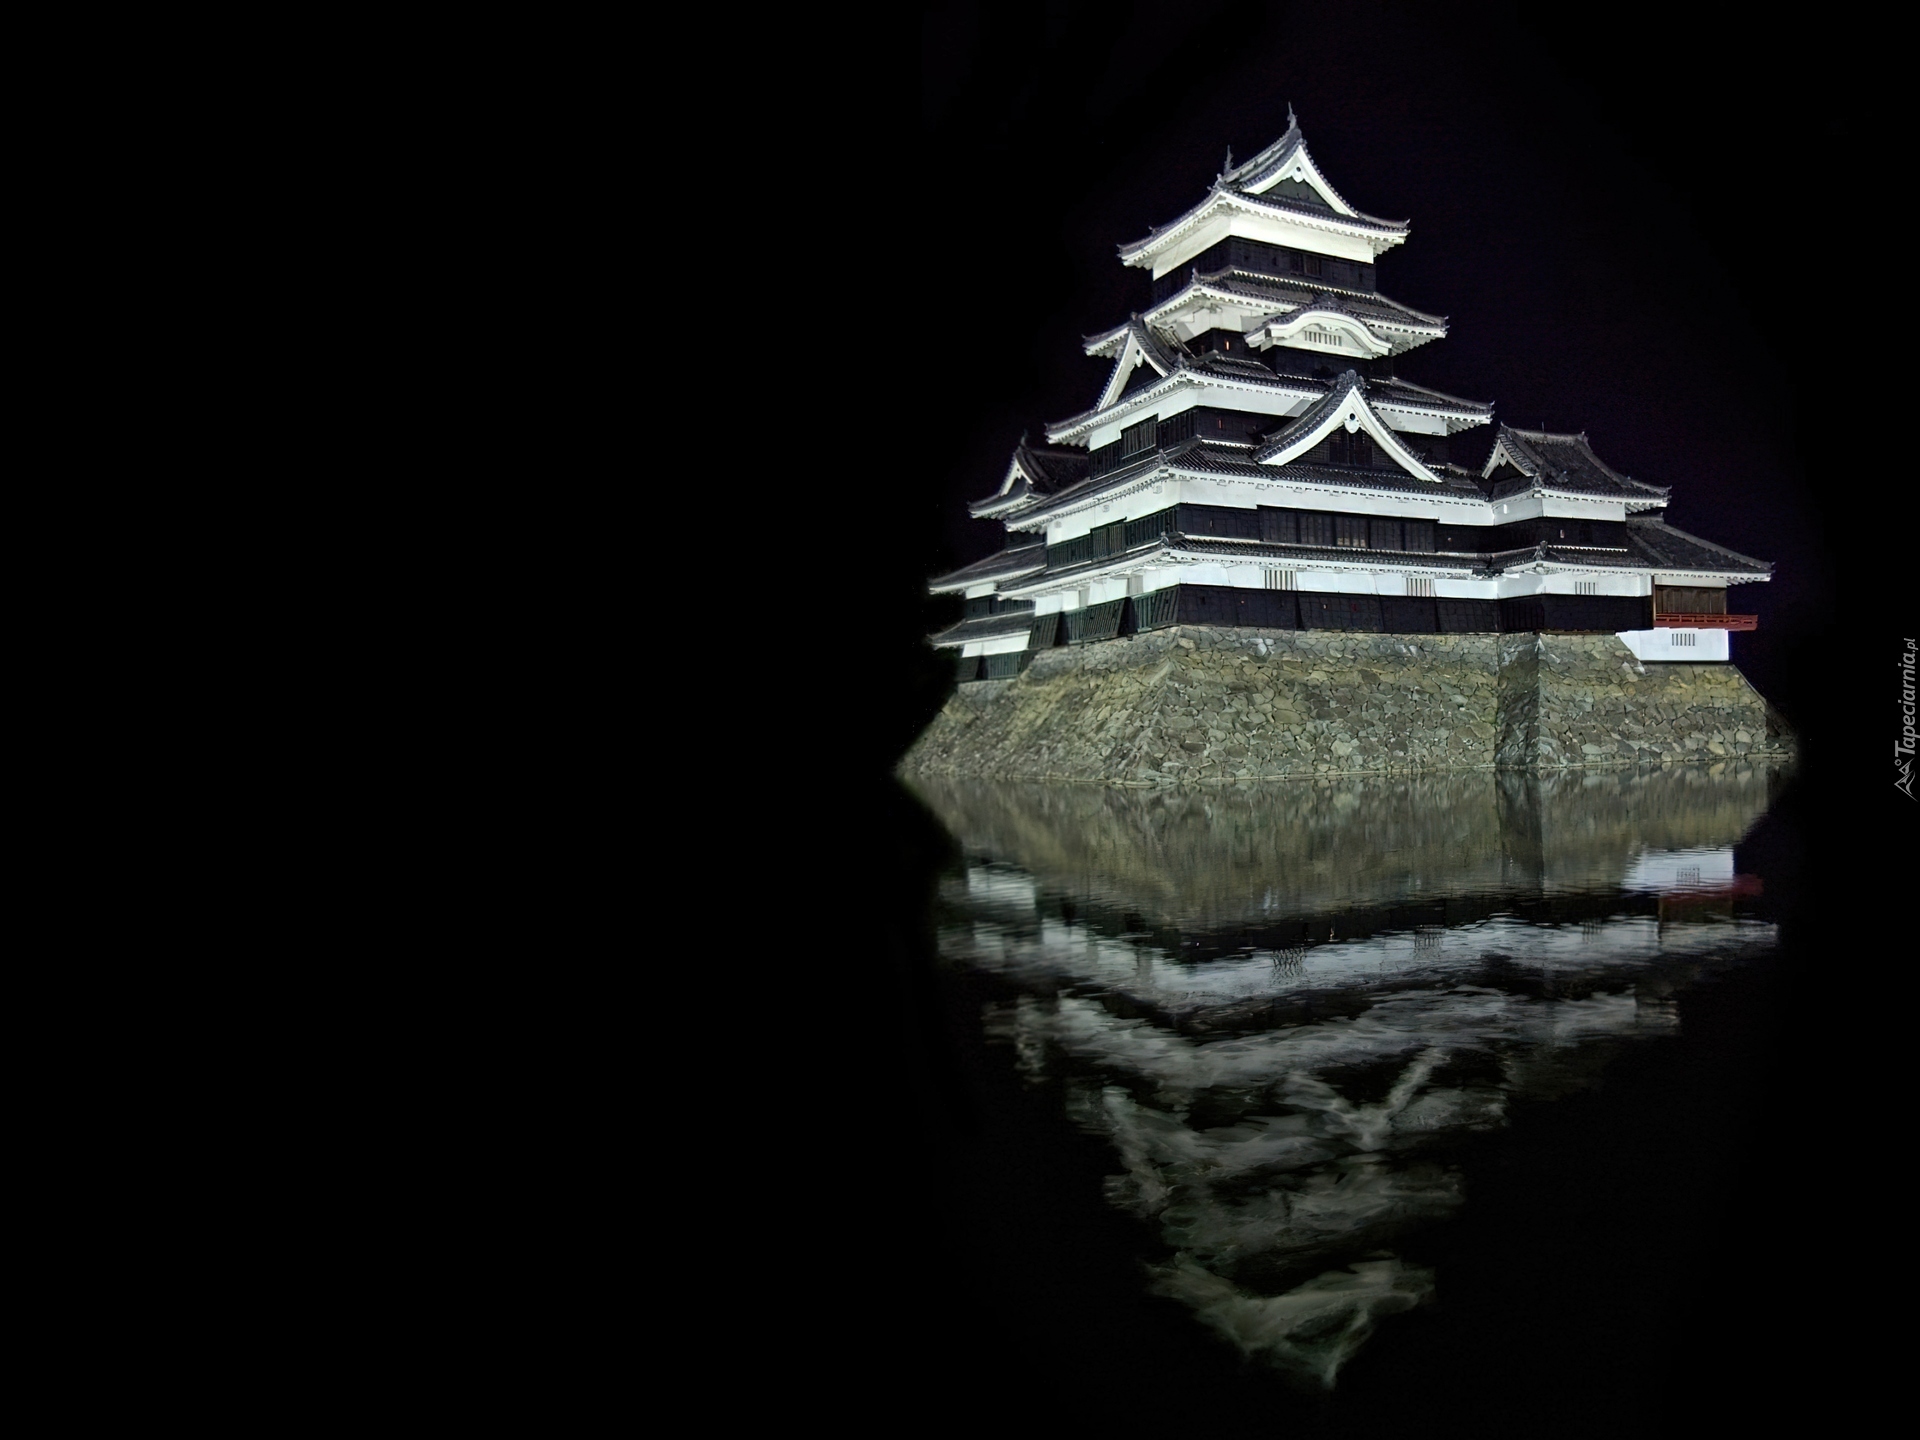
(1254, 458)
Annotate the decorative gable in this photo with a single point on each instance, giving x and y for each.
(1297, 192)
(1018, 474)
(1345, 410)
(1134, 356)
(1325, 329)
(1287, 172)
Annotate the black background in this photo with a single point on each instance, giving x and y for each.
(1632, 220)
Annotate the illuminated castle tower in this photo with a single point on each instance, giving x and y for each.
(1253, 460)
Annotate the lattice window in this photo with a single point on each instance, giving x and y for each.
(1354, 449)
(1152, 611)
(1094, 622)
(1277, 527)
(1683, 600)
(1283, 580)
(1682, 639)
(1350, 532)
(1136, 438)
(1586, 587)
(1005, 666)
(1420, 587)
(1147, 527)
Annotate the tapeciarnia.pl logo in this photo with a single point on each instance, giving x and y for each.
(1903, 747)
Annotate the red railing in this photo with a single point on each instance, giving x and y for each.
(1709, 622)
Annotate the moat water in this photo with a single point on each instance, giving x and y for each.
(1320, 1094)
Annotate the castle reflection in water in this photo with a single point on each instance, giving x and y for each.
(1285, 1005)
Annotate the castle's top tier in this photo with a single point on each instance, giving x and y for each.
(1278, 198)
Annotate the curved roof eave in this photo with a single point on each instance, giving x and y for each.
(1136, 252)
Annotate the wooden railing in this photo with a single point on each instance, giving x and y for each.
(1708, 622)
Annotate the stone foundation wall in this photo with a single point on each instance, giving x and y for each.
(1204, 703)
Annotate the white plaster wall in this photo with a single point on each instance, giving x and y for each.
(1358, 580)
(1247, 577)
(998, 645)
(1272, 229)
(1612, 584)
(1568, 584)
(1340, 582)
(1528, 507)
(1658, 644)
(1583, 509)
(1451, 588)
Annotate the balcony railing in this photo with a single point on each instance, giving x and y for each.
(1708, 622)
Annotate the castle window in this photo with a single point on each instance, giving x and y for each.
(1685, 639)
(1277, 527)
(1350, 532)
(1586, 587)
(1282, 580)
(1316, 530)
(1313, 265)
(1136, 438)
(1684, 600)
(1420, 587)
(1355, 449)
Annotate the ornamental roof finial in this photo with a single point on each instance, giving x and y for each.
(1291, 122)
(1229, 159)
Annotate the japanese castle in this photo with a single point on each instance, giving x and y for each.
(1254, 460)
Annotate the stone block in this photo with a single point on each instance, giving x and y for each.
(1164, 708)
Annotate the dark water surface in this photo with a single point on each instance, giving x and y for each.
(1340, 1107)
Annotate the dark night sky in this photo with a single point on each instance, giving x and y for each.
(1591, 206)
